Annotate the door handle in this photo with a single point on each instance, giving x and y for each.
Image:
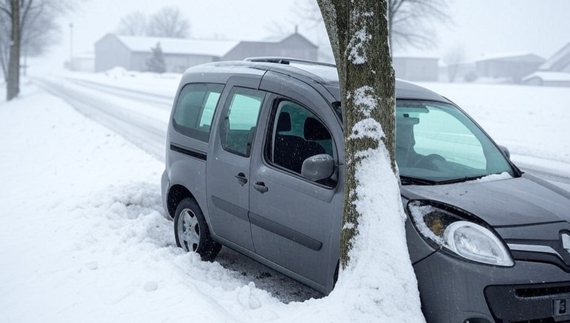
(241, 179)
(260, 186)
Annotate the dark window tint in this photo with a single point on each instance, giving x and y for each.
(195, 109)
(240, 120)
(297, 134)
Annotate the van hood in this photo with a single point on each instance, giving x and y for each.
(506, 202)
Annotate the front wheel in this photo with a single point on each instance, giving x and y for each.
(191, 231)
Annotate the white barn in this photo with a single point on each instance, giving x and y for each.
(132, 52)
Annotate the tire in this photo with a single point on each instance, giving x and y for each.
(191, 231)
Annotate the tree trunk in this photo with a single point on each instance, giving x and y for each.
(359, 36)
(13, 84)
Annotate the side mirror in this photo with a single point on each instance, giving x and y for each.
(318, 167)
(505, 151)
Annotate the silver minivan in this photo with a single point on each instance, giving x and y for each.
(255, 162)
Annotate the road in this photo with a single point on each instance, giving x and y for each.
(140, 117)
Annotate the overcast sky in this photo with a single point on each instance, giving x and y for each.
(480, 26)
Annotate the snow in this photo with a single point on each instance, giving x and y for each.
(527, 56)
(494, 177)
(549, 76)
(83, 238)
(376, 291)
(390, 293)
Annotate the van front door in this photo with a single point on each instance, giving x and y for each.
(292, 216)
(228, 167)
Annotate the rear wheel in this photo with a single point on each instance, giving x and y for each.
(191, 230)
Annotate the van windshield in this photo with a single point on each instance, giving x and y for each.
(437, 143)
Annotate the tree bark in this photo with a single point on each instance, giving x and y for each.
(13, 84)
(358, 30)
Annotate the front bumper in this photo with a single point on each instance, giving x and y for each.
(455, 290)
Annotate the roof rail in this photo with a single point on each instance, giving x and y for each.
(286, 61)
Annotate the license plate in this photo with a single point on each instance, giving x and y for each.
(561, 306)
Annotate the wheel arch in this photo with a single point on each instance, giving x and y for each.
(176, 194)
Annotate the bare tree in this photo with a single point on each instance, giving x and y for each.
(169, 22)
(358, 32)
(27, 28)
(410, 22)
(360, 46)
(133, 24)
(5, 41)
(453, 59)
(12, 10)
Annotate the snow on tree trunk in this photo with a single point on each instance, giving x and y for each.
(376, 278)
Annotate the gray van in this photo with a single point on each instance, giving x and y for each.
(255, 162)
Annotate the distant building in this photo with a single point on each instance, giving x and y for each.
(459, 72)
(511, 67)
(416, 69)
(554, 72)
(84, 62)
(294, 46)
(132, 52)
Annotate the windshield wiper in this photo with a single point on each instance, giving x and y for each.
(460, 180)
(407, 180)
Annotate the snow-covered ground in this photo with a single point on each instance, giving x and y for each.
(83, 239)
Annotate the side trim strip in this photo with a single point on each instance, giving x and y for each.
(232, 209)
(285, 232)
(191, 153)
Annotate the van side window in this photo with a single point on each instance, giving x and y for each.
(296, 135)
(194, 109)
(240, 121)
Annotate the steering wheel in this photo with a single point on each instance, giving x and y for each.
(430, 161)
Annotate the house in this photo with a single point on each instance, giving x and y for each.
(554, 72)
(84, 62)
(294, 45)
(510, 67)
(416, 68)
(458, 72)
(132, 52)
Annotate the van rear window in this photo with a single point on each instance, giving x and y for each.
(195, 108)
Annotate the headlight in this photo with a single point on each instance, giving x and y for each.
(455, 233)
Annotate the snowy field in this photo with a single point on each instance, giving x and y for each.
(83, 239)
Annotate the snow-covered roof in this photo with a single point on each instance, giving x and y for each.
(179, 45)
(415, 53)
(549, 76)
(559, 58)
(525, 56)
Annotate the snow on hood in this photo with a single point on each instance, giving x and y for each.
(499, 201)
